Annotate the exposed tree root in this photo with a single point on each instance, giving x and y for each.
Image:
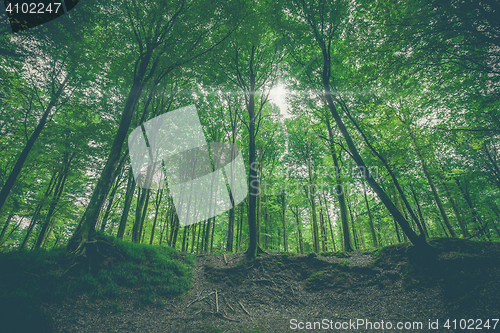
(259, 251)
(92, 254)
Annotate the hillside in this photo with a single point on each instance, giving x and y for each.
(231, 294)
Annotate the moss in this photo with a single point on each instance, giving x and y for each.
(342, 255)
(344, 262)
(327, 279)
(316, 280)
(147, 269)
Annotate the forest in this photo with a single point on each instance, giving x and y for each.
(361, 126)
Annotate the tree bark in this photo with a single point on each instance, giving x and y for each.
(9, 183)
(387, 167)
(142, 230)
(159, 195)
(476, 219)
(212, 238)
(329, 222)
(437, 199)
(207, 236)
(193, 236)
(312, 194)
(347, 244)
(175, 230)
(322, 229)
(230, 227)
(55, 200)
(252, 173)
(370, 219)
(283, 207)
(299, 229)
(419, 242)
(86, 227)
(184, 237)
(129, 194)
(39, 207)
(353, 227)
(117, 176)
(463, 228)
(5, 226)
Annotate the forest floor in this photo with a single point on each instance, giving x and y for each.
(230, 294)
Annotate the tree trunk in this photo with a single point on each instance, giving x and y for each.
(164, 230)
(361, 232)
(266, 227)
(230, 227)
(52, 223)
(387, 167)
(184, 237)
(299, 229)
(198, 239)
(55, 200)
(419, 212)
(495, 175)
(141, 198)
(55, 177)
(5, 226)
(312, 195)
(347, 244)
(159, 195)
(495, 210)
(252, 174)
(353, 227)
(397, 199)
(129, 194)
(86, 227)
(207, 236)
(117, 176)
(322, 229)
(9, 183)
(476, 219)
(370, 219)
(438, 200)
(283, 207)
(212, 238)
(193, 236)
(241, 226)
(143, 217)
(175, 230)
(419, 242)
(329, 222)
(463, 228)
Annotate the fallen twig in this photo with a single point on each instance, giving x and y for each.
(199, 299)
(227, 303)
(248, 313)
(216, 302)
(225, 258)
(227, 318)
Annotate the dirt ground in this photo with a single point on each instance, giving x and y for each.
(275, 292)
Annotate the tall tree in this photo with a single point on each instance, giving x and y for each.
(325, 21)
(251, 62)
(165, 35)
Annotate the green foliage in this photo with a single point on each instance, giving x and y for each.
(344, 262)
(150, 270)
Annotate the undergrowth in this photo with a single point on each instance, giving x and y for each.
(32, 277)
